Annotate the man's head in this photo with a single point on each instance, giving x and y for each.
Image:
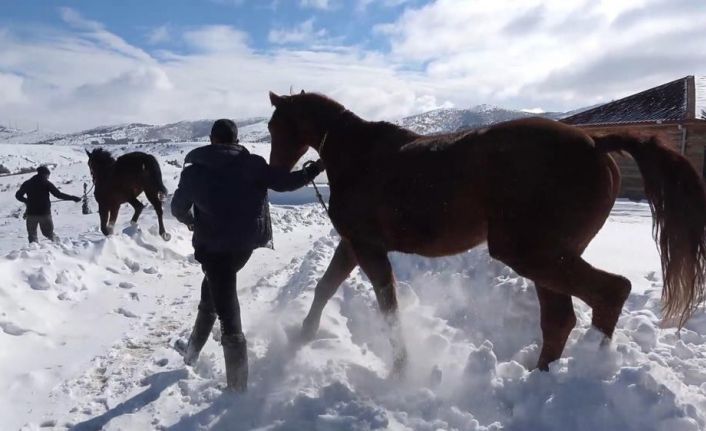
(43, 171)
(224, 131)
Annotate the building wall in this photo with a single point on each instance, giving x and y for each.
(696, 145)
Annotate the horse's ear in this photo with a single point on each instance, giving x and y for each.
(275, 99)
(302, 92)
(87, 153)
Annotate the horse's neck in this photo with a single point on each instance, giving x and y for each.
(104, 175)
(355, 144)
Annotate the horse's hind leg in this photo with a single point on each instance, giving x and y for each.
(604, 292)
(339, 268)
(138, 207)
(153, 197)
(570, 275)
(376, 265)
(557, 321)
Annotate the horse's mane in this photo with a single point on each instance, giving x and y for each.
(321, 106)
(101, 156)
(317, 104)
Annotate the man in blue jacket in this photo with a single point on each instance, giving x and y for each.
(222, 197)
(35, 194)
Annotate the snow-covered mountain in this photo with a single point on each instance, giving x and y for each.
(251, 130)
(10, 135)
(254, 129)
(447, 120)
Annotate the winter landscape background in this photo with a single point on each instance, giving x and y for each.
(87, 323)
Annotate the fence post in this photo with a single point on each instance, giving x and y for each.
(85, 209)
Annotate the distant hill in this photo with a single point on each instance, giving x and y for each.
(448, 120)
(250, 130)
(254, 130)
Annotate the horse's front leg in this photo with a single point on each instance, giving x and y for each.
(376, 265)
(104, 214)
(338, 269)
(114, 210)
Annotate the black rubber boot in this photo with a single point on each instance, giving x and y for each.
(235, 351)
(199, 335)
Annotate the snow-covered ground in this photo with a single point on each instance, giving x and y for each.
(87, 325)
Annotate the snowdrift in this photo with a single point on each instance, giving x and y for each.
(87, 327)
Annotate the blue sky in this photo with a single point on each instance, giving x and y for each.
(76, 64)
(137, 21)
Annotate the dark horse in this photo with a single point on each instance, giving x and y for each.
(122, 180)
(537, 191)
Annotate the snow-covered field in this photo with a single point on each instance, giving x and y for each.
(87, 325)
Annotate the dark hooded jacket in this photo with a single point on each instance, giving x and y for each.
(37, 191)
(223, 194)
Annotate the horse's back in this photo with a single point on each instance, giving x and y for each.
(134, 158)
(451, 187)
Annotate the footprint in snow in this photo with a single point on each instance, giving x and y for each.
(126, 313)
(126, 285)
(11, 329)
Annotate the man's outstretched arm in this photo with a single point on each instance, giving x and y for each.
(63, 196)
(280, 180)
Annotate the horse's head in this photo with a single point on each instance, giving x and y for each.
(299, 121)
(287, 134)
(98, 160)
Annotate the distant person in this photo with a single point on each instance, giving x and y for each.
(222, 197)
(35, 194)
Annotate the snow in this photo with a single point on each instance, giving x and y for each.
(250, 130)
(700, 97)
(87, 326)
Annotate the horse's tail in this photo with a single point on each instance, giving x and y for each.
(154, 172)
(677, 198)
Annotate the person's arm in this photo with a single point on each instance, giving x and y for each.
(281, 180)
(59, 195)
(20, 195)
(183, 201)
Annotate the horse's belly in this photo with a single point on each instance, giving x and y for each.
(437, 233)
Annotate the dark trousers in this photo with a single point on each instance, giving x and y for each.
(45, 224)
(218, 289)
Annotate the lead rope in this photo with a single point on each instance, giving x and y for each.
(316, 189)
(85, 195)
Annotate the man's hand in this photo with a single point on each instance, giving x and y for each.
(190, 227)
(75, 198)
(313, 168)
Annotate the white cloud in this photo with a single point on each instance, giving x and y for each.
(159, 35)
(97, 32)
(76, 81)
(217, 38)
(11, 88)
(556, 53)
(302, 33)
(551, 54)
(363, 4)
(317, 4)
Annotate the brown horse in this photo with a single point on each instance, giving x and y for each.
(122, 180)
(537, 191)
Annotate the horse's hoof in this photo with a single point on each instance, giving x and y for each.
(309, 331)
(133, 222)
(399, 365)
(166, 236)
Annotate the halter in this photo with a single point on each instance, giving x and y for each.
(316, 189)
(321, 144)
